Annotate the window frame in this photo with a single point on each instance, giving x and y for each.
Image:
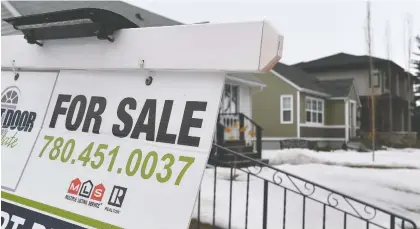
(375, 73)
(322, 112)
(282, 109)
(386, 79)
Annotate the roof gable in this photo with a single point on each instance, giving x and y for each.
(304, 80)
(344, 60)
(298, 77)
(337, 88)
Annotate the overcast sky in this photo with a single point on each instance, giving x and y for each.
(311, 28)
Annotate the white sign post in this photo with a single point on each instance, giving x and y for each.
(117, 135)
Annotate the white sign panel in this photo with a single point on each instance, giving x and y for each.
(23, 108)
(115, 152)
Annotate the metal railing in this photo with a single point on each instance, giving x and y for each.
(300, 202)
(238, 126)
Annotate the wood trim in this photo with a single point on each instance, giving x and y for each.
(291, 109)
(298, 114)
(310, 139)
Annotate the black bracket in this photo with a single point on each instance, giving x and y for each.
(82, 22)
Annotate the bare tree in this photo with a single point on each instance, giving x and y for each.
(409, 80)
(372, 97)
(389, 73)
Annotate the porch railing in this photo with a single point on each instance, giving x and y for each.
(262, 196)
(238, 126)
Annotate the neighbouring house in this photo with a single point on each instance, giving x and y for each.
(235, 125)
(296, 105)
(391, 89)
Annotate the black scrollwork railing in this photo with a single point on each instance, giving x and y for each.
(284, 201)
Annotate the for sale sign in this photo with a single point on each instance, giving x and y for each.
(124, 153)
(99, 134)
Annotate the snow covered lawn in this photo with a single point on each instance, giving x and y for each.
(391, 158)
(394, 187)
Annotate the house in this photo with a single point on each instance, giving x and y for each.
(235, 109)
(296, 105)
(391, 88)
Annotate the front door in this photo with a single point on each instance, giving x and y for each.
(229, 108)
(230, 99)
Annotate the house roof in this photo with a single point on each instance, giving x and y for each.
(344, 60)
(334, 88)
(337, 88)
(299, 77)
(127, 10)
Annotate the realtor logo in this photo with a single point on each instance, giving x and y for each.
(117, 196)
(86, 189)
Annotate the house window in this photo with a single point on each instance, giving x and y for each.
(314, 111)
(230, 99)
(386, 80)
(376, 78)
(286, 109)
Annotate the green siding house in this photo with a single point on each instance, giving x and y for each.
(296, 105)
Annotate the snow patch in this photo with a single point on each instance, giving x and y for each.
(386, 159)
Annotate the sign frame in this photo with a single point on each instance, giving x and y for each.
(198, 48)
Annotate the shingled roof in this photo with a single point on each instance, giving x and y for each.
(337, 88)
(147, 18)
(344, 60)
(334, 88)
(299, 77)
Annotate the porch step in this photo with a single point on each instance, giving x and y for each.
(363, 145)
(357, 145)
(241, 148)
(229, 143)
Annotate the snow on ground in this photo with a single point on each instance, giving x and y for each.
(395, 190)
(391, 158)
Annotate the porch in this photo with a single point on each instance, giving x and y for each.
(236, 130)
(391, 120)
(390, 114)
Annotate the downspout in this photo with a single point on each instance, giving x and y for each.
(11, 8)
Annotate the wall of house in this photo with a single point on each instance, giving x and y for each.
(333, 115)
(266, 107)
(335, 112)
(245, 103)
(398, 88)
(360, 76)
(398, 81)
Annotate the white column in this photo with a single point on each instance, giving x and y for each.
(298, 113)
(346, 115)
